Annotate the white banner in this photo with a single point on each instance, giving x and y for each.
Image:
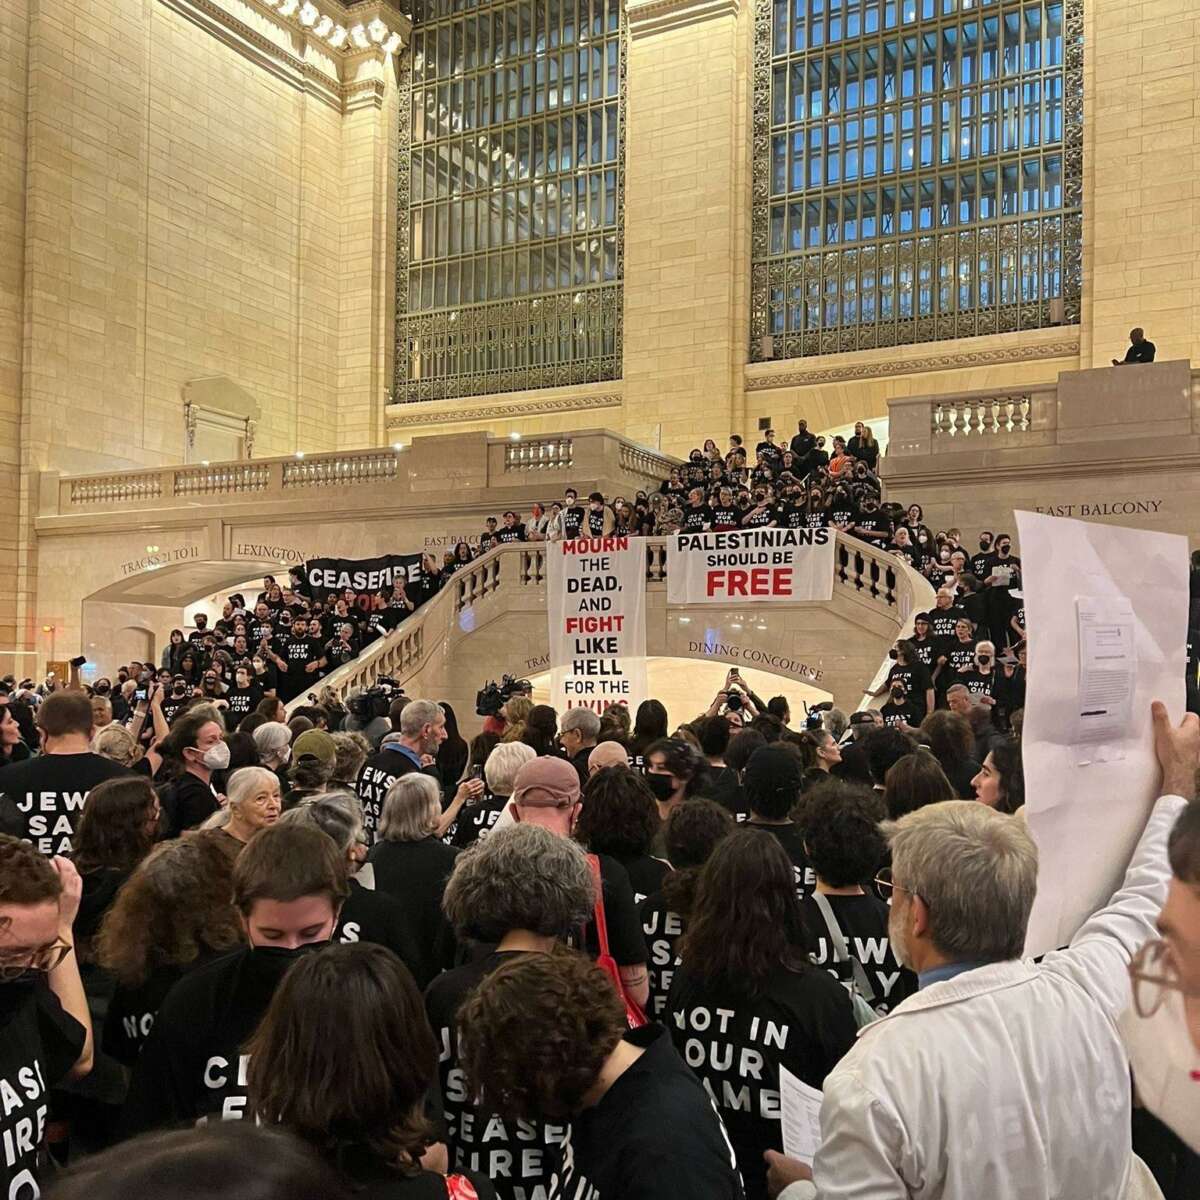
(1107, 613)
(596, 603)
(751, 565)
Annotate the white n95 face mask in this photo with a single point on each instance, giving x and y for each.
(1166, 1065)
(216, 757)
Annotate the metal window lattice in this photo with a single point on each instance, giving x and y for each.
(510, 197)
(918, 171)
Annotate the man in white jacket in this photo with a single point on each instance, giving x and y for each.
(1001, 1078)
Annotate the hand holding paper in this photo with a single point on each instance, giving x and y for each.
(800, 1107)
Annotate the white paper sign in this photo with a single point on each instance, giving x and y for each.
(1106, 610)
(800, 1110)
(750, 565)
(596, 604)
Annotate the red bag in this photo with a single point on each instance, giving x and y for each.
(604, 960)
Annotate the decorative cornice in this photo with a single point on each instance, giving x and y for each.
(292, 65)
(808, 376)
(522, 408)
(654, 16)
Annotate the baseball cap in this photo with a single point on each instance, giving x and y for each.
(546, 783)
(863, 717)
(315, 743)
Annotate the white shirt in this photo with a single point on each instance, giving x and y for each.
(1008, 1082)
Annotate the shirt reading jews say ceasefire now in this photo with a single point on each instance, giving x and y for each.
(41, 798)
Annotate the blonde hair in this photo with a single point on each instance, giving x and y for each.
(516, 712)
(115, 742)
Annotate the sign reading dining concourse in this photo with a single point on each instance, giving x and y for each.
(751, 565)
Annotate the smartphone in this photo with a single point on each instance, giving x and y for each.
(78, 662)
(140, 695)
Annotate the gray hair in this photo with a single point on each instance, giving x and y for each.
(271, 738)
(836, 722)
(115, 742)
(583, 720)
(352, 750)
(976, 871)
(418, 713)
(519, 877)
(245, 781)
(411, 808)
(502, 766)
(338, 814)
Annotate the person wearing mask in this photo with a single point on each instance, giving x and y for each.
(273, 745)
(422, 729)
(840, 824)
(909, 670)
(691, 834)
(990, 1036)
(367, 915)
(289, 884)
(342, 1059)
(901, 712)
(476, 821)
(981, 561)
(981, 678)
(620, 818)
(675, 772)
(1140, 350)
(773, 780)
(412, 864)
(522, 891)
(244, 697)
(1000, 783)
(618, 1088)
(45, 1028)
(546, 793)
(745, 956)
(577, 733)
(1002, 576)
(872, 525)
(41, 798)
(174, 913)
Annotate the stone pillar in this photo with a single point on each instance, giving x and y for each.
(687, 242)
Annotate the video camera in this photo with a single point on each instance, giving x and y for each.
(813, 718)
(490, 699)
(376, 700)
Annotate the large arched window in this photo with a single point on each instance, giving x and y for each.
(510, 205)
(917, 171)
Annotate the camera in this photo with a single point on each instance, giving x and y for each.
(490, 698)
(733, 702)
(813, 718)
(376, 700)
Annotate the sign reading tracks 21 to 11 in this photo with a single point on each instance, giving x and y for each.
(750, 565)
(596, 604)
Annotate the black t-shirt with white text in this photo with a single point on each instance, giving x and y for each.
(696, 519)
(943, 620)
(979, 684)
(132, 1010)
(843, 514)
(663, 931)
(572, 520)
(792, 840)
(863, 921)
(960, 656)
(475, 821)
(759, 517)
(506, 534)
(41, 798)
(926, 650)
(736, 1042)
(894, 715)
(594, 522)
(725, 516)
(39, 1044)
(243, 701)
(519, 1157)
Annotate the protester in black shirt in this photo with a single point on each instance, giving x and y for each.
(244, 697)
(849, 921)
(341, 648)
(619, 818)
(174, 913)
(691, 834)
(924, 645)
(289, 884)
(41, 798)
(725, 513)
(762, 513)
(958, 654)
(872, 525)
(981, 678)
(1140, 350)
(572, 515)
(913, 674)
(675, 772)
(745, 957)
(697, 516)
(342, 1059)
(901, 711)
(517, 893)
(803, 442)
(619, 1089)
(981, 561)
(511, 531)
(773, 779)
(195, 742)
(45, 1029)
(298, 658)
(944, 616)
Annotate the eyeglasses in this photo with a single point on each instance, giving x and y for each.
(887, 885)
(1153, 973)
(14, 964)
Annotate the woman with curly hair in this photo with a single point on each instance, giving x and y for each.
(690, 836)
(174, 913)
(522, 891)
(745, 955)
(343, 1059)
(620, 818)
(116, 830)
(545, 1038)
(515, 712)
(675, 772)
(615, 724)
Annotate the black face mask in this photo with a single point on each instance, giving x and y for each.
(663, 786)
(984, 544)
(1004, 548)
(898, 695)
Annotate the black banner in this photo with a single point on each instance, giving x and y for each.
(365, 575)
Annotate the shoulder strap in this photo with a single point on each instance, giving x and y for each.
(598, 912)
(841, 952)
